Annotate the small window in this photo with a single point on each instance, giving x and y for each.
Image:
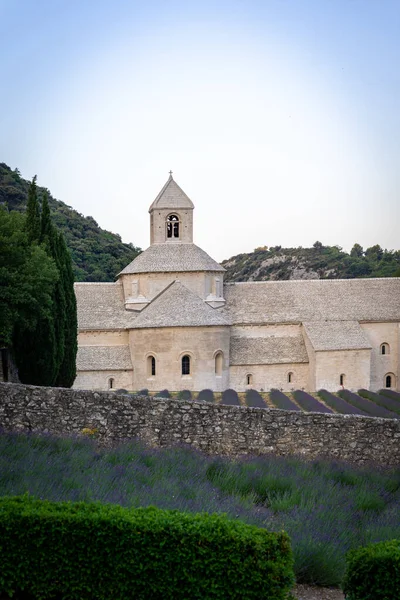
(110, 383)
(173, 226)
(151, 366)
(186, 365)
(249, 379)
(388, 381)
(290, 377)
(342, 379)
(218, 363)
(385, 349)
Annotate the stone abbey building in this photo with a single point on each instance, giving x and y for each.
(169, 321)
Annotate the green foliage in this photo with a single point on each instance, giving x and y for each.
(373, 572)
(45, 353)
(325, 262)
(33, 214)
(137, 553)
(27, 279)
(97, 255)
(185, 395)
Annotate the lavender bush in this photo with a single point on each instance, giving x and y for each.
(326, 507)
(279, 400)
(309, 403)
(206, 396)
(230, 397)
(372, 409)
(386, 402)
(390, 394)
(254, 399)
(339, 405)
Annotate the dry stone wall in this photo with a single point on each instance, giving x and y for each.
(215, 429)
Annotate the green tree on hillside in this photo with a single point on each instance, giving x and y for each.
(46, 354)
(27, 279)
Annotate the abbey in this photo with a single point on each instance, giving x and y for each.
(169, 321)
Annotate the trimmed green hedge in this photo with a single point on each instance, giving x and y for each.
(80, 551)
(373, 572)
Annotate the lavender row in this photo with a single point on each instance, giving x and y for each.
(309, 403)
(340, 405)
(389, 403)
(254, 399)
(390, 394)
(369, 407)
(279, 400)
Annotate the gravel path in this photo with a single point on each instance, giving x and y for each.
(308, 592)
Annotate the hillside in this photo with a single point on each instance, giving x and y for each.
(318, 262)
(97, 254)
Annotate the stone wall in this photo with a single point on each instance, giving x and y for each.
(215, 429)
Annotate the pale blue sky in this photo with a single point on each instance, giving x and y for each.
(280, 119)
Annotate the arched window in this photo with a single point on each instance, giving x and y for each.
(342, 379)
(385, 348)
(151, 366)
(173, 226)
(249, 379)
(219, 357)
(290, 377)
(388, 381)
(186, 365)
(110, 383)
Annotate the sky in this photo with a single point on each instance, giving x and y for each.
(279, 118)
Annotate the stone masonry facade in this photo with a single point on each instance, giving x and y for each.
(212, 428)
(170, 322)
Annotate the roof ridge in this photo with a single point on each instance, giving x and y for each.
(301, 281)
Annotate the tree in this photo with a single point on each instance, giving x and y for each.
(27, 279)
(33, 214)
(357, 251)
(46, 353)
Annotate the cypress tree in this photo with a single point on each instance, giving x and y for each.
(65, 318)
(33, 214)
(67, 370)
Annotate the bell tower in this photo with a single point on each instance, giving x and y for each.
(171, 216)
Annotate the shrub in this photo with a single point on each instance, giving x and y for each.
(309, 403)
(254, 399)
(281, 401)
(122, 391)
(372, 409)
(340, 405)
(390, 394)
(162, 394)
(230, 397)
(144, 392)
(83, 550)
(385, 401)
(373, 572)
(206, 396)
(185, 395)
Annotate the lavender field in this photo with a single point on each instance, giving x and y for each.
(326, 507)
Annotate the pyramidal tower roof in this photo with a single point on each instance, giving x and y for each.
(171, 196)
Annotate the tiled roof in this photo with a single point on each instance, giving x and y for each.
(171, 196)
(267, 351)
(101, 306)
(336, 335)
(172, 256)
(313, 300)
(177, 306)
(103, 358)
